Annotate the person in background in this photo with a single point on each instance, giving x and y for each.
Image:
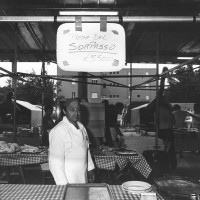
(181, 117)
(166, 123)
(47, 124)
(7, 109)
(108, 136)
(70, 160)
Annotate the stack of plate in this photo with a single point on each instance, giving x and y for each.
(136, 187)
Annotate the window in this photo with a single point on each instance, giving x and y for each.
(73, 83)
(104, 97)
(94, 81)
(94, 95)
(113, 72)
(138, 95)
(147, 97)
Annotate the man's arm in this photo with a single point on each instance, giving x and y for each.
(57, 148)
(91, 173)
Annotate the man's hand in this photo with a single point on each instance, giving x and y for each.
(91, 176)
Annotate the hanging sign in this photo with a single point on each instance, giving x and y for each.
(91, 50)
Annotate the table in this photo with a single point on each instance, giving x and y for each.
(54, 192)
(18, 160)
(141, 142)
(187, 140)
(108, 160)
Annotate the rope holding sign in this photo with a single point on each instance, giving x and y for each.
(103, 23)
(78, 23)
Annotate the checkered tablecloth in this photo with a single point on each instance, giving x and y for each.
(31, 192)
(16, 159)
(110, 160)
(53, 192)
(120, 194)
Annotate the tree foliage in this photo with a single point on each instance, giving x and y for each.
(188, 89)
(29, 91)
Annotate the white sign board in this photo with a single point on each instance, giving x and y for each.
(91, 50)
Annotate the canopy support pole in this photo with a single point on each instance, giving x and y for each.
(43, 88)
(14, 83)
(130, 90)
(157, 90)
(95, 19)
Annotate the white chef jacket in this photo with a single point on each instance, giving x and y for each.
(69, 157)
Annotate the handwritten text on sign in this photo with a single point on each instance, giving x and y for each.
(91, 50)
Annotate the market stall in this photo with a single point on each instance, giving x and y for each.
(34, 40)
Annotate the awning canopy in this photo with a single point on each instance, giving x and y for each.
(28, 105)
(176, 22)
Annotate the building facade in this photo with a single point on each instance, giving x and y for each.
(113, 88)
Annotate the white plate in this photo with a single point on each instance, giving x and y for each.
(127, 153)
(137, 191)
(136, 186)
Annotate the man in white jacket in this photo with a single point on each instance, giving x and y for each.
(69, 156)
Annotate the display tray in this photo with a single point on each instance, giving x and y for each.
(88, 192)
(127, 153)
(26, 152)
(177, 187)
(10, 152)
(122, 151)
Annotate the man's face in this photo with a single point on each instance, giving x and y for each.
(73, 112)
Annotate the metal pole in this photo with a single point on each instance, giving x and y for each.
(157, 89)
(43, 88)
(14, 83)
(92, 19)
(130, 90)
